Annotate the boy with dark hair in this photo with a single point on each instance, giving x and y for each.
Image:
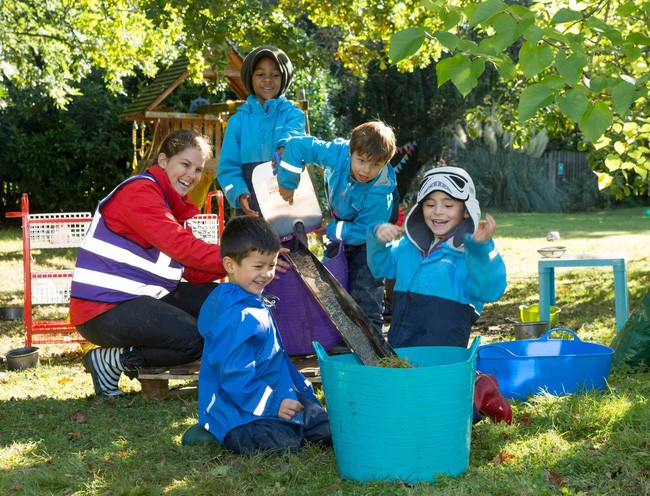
(360, 186)
(251, 397)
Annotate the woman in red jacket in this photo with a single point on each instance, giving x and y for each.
(127, 295)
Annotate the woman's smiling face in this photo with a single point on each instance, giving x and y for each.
(183, 169)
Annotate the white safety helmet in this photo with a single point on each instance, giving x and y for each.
(454, 182)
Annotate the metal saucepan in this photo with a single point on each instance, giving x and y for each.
(529, 330)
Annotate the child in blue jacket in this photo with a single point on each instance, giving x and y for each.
(265, 120)
(251, 397)
(446, 268)
(360, 185)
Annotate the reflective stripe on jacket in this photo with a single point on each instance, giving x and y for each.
(111, 268)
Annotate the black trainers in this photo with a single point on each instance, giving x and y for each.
(105, 368)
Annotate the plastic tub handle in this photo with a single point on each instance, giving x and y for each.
(321, 354)
(473, 348)
(505, 351)
(545, 337)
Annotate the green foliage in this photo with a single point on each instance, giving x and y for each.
(583, 61)
(581, 194)
(54, 44)
(587, 60)
(513, 181)
(510, 181)
(65, 160)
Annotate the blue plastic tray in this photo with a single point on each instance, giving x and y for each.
(557, 366)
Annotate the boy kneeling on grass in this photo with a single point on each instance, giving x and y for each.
(251, 397)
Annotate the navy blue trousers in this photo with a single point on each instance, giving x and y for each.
(277, 436)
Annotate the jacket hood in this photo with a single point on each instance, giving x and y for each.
(456, 183)
(286, 69)
(386, 180)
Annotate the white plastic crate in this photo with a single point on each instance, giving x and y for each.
(206, 227)
(64, 230)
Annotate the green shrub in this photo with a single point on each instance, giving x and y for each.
(66, 160)
(510, 181)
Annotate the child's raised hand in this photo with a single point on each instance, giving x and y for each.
(289, 408)
(282, 265)
(485, 229)
(243, 203)
(322, 230)
(388, 232)
(286, 194)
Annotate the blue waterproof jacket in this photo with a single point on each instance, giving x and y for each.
(252, 136)
(356, 206)
(245, 372)
(438, 295)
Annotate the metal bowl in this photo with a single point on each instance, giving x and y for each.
(551, 251)
(22, 358)
(530, 330)
(12, 313)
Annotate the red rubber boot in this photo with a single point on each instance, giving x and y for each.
(489, 400)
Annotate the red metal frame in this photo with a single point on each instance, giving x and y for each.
(43, 331)
(60, 331)
(208, 206)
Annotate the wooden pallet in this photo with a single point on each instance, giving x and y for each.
(155, 381)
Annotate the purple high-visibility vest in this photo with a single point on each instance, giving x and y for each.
(111, 268)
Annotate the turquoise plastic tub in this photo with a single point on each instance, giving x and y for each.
(401, 424)
(556, 366)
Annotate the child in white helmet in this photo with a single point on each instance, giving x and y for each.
(445, 268)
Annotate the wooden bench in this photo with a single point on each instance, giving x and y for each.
(155, 381)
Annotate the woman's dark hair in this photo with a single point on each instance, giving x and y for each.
(181, 139)
(244, 235)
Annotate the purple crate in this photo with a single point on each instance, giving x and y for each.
(300, 318)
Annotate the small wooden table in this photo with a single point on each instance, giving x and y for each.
(546, 268)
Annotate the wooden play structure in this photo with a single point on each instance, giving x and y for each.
(153, 121)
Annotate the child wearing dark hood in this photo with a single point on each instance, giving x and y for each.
(446, 268)
(261, 125)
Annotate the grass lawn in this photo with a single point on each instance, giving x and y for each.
(56, 437)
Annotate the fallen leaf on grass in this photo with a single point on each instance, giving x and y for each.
(553, 477)
(65, 380)
(79, 416)
(220, 470)
(615, 473)
(525, 418)
(502, 457)
(73, 435)
(256, 469)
